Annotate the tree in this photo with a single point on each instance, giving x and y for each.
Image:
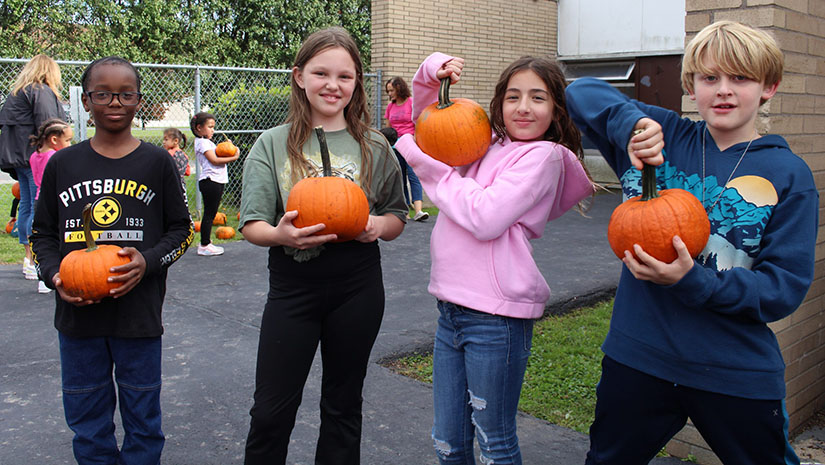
(250, 33)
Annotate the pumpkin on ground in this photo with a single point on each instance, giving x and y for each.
(15, 190)
(455, 132)
(338, 203)
(225, 232)
(197, 225)
(653, 218)
(85, 272)
(226, 148)
(220, 219)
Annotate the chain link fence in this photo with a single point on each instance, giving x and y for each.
(245, 102)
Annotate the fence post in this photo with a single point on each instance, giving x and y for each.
(197, 109)
(77, 113)
(379, 87)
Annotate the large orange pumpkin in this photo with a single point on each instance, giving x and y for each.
(226, 148)
(337, 202)
(85, 272)
(653, 218)
(225, 232)
(15, 190)
(456, 132)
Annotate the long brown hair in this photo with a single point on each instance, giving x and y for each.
(402, 90)
(356, 112)
(562, 130)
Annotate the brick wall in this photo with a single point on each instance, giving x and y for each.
(797, 112)
(405, 32)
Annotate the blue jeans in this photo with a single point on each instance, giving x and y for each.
(89, 398)
(415, 185)
(478, 368)
(25, 212)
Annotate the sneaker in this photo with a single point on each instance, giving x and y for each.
(210, 250)
(421, 216)
(42, 288)
(29, 271)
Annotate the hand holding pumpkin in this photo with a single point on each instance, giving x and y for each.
(451, 69)
(300, 238)
(648, 268)
(646, 144)
(128, 274)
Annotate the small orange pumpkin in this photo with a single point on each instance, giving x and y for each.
(85, 272)
(225, 232)
(226, 148)
(10, 225)
(338, 203)
(220, 219)
(15, 190)
(197, 225)
(455, 132)
(653, 218)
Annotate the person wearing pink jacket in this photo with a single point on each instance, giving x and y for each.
(488, 286)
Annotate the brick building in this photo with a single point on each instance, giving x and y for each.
(490, 34)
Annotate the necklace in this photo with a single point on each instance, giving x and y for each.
(718, 197)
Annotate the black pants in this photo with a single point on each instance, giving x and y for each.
(211, 192)
(637, 414)
(336, 299)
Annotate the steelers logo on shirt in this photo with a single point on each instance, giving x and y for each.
(106, 211)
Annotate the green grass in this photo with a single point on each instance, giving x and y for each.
(564, 367)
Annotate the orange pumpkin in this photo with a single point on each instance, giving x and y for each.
(220, 218)
(10, 225)
(197, 225)
(653, 218)
(85, 272)
(456, 132)
(226, 148)
(338, 203)
(225, 232)
(15, 190)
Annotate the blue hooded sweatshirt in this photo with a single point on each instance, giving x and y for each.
(710, 331)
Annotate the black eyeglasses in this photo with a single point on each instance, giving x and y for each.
(102, 97)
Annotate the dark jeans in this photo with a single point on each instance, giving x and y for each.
(637, 414)
(89, 398)
(211, 192)
(336, 299)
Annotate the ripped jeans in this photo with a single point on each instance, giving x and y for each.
(478, 368)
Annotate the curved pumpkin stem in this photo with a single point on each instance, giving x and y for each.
(444, 94)
(87, 228)
(226, 139)
(322, 140)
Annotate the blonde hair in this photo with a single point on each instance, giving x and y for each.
(40, 70)
(356, 112)
(736, 49)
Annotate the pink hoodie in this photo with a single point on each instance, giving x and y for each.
(38, 162)
(489, 211)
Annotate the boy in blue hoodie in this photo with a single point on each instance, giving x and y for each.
(691, 338)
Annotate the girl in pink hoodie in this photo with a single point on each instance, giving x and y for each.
(488, 286)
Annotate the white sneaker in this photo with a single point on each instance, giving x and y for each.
(29, 271)
(42, 288)
(421, 216)
(210, 250)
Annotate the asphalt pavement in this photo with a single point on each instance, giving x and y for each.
(211, 319)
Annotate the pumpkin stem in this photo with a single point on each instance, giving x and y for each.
(649, 190)
(226, 139)
(444, 94)
(87, 228)
(322, 140)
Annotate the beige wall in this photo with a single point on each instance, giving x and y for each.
(405, 32)
(797, 113)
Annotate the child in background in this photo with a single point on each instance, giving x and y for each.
(212, 178)
(174, 141)
(691, 338)
(488, 286)
(399, 117)
(345, 312)
(134, 191)
(53, 135)
(392, 136)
